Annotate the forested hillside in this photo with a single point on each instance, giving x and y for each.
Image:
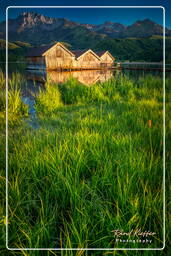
(131, 49)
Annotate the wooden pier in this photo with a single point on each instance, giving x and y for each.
(146, 66)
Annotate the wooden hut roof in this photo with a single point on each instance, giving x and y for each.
(41, 51)
(66, 49)
(100, 54)
(78, 53)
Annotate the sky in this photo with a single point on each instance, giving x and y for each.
(125, 16)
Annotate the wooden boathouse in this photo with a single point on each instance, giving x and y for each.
(58, 57)
(107, 59)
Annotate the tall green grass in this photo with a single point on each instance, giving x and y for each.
(16, 108)
(49, 99)
(94, 165)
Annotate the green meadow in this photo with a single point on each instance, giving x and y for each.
(92, 165)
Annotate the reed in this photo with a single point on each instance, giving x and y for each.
(16, 108)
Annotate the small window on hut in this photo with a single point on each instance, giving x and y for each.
(58, 53)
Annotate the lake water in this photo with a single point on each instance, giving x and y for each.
(86, 77)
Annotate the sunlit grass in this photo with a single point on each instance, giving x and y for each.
(94, 165)
(16, 108)
(49, 99)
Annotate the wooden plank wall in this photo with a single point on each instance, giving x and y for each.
(106, 60)
(58, 57)
(88, 60)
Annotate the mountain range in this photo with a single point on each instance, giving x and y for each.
(141, 41)
(38, 29)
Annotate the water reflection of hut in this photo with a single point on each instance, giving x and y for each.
(105, 75)
(58, 57)
(87, 77)
(59, 77)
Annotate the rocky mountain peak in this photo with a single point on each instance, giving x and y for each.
(34, 18)
(38, 28)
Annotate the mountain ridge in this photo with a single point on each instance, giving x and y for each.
(140, 41)
(32, 27)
